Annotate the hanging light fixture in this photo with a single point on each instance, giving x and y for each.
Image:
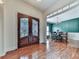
(39, 0)
(57, 20)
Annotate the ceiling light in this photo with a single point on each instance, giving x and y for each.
(1, 2)
(39, 0)
(73, 4)
(66, 7)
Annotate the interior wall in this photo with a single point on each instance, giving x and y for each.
(1, 31)
(71, 25)
(11, 8)
(50, 25)
(73, 39)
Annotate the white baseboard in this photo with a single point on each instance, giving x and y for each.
(3, 54)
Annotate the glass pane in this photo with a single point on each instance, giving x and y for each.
(23, 27)
(35, 27)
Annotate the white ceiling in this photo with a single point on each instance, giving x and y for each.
(48, 6)
(43, 5)
(72, 13)
(59, 4)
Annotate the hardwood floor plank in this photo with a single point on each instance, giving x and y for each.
(53, 50)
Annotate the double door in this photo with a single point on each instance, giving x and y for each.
(28, 30)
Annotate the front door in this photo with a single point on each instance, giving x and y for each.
(23, 30)
(34, 33)
(28, 30)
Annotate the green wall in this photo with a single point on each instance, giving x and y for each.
(50, 26)
(68, 26)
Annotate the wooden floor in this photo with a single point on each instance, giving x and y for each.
(54, 50)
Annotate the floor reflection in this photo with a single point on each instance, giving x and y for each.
(24, 57)
(52, 50)
(35, 55)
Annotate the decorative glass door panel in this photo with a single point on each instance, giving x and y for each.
(34, 27)
(24, 27)
(23, 30)
(35, 30)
